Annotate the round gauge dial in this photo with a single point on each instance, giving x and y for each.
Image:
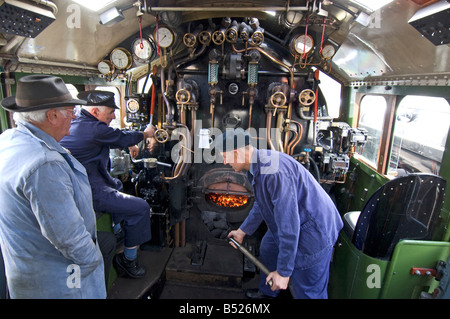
(105, 67)
(142, 50)
(121, 58)
(300, 46)
(132, 106)
(328, 51)
(164, 37)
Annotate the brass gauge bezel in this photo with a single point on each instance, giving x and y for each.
(300, 40)
(108, 64)
(132, 106)
(125, 54)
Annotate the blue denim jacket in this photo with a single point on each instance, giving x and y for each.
(301, 216)
(47, 222)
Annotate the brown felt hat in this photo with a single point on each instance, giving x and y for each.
(39, 92)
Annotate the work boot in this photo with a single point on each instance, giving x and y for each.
(127, 267)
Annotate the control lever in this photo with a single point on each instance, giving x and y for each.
(252, 258)
(150, 161)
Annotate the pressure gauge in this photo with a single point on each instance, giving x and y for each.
(328, 51)
(164, 37)
(121, 58)
(142, 50)
(301, 46)
(132, 106)
(105, 67)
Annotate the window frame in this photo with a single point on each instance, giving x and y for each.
(400, 98)
(382, 161)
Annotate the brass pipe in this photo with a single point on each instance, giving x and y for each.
(291, 80)
(151, 9)
(268, 127)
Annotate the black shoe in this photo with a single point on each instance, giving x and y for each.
(256, 294)
(127, 267)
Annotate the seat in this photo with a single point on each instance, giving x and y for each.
(407, 207)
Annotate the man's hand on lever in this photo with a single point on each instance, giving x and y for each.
(237, 235)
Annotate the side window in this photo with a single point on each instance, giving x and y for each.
(371, 117)
(116, 122)
(144, 81)
(420, 134)
(331, 89)
(74, 92)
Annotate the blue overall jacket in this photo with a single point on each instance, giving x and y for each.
(301, 216)
(90, 141)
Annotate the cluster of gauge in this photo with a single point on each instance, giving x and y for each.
(303, 44)
(142, 51)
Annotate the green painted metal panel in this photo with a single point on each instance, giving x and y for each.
(353, 274)
(399, 282)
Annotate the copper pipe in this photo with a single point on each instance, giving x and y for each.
(300, 134)
(268, 127)
(288, 149)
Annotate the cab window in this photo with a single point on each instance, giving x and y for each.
(371, 117)
(116, 122)
(420, 134)
(147, 81)
(331, 90)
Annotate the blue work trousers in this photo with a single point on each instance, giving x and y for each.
(310, 283)
(133, 211)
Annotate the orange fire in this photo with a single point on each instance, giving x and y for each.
(227, 200)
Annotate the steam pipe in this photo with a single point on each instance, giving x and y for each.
(268, 127)
(221, 9)
(49, 4)
(296, 139)
(170, 114)
(152, 107)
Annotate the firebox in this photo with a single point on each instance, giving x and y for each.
(225, 191)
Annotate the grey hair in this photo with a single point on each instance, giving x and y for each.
(34, 116)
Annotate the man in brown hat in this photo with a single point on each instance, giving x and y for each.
(47, 222)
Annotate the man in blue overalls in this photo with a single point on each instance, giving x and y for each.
(303, 222)
(90, 141)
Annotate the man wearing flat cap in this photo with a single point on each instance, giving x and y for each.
(303, 222)
(90, 141)
(48, 231)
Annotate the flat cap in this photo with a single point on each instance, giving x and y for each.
(232, 139)
(98, 98)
